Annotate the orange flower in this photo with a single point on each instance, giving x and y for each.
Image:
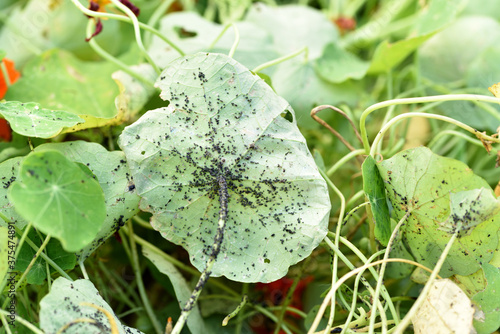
(8, 69)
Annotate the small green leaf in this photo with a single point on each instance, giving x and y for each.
(31, 120)
(420, 182)
(374, 188)
(63, 305)
(223, 120)
(59, 199)
(336, 65)
(113, 174)
(182, 289)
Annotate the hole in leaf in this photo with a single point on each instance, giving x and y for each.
(287, 115)
(183, 33)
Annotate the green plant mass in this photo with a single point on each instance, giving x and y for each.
(203, 167)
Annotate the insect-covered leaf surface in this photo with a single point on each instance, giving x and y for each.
(225, 121)
(31, 120)
(59, 198)
(111, 170)
(420, 182)
(182, 290)
(374, 188)
(9, 170)
(63, 305)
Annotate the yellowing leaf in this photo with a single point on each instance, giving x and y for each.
(495, 89)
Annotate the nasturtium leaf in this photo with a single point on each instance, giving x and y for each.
(111, 170)
(30, 119)
(224, 121)
(193, 33)
(182, 290)
(58, 80)
(9, 170)
(469, 209)
(59, 198)
(447, 309)
(54, 250)
(374, 188)
(420, 182)
(437, 14)
(63, 305)
(336, 65)
(4, 250)
(487, 301)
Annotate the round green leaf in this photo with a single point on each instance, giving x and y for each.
(31, 120)
(420, 182)
(9, 170)
(223, 120)
(113, 174)
(59, 198)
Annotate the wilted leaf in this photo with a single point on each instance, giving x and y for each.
(224, 121)
(63, 305)
(445, 310)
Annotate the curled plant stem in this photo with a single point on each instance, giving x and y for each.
(137, 32)
(457, 134)
(146, 27)
(226, 27)
(423, 295)
(111, 319)
(101, 52)
(157, 14)
(414, 100)
(326, 125)
(281, 59)
(205, 275)
(23, 322)
(381, 133)
(345, 158)
(382, 272)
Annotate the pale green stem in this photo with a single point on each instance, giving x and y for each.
(280, 60)
(353, 210)
(236, 311)
(381, 133)
(157, 15)
(381, 275)
(337, 242)
(344, 159)
(5, 74)
(84, 271)
(423, 295)
(271, 316)
(142, 222)
(236, 40)
(219, 36)
(414, 100)
(355, 198)
(137, 32)
(101, 52)
(23, 322)
(457, 134)
(92, 13)
(140, 284)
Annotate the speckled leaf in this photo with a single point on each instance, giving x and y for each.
(420, 182)
(224, 120)
(59, 198)
(63, 305)
(111, 170)
(31, 120)
(470, 208)
(182, 290)
(9, 171)
(373, 185)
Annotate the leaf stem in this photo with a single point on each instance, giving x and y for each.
(414, 100)
(205, 275)
(236, 311)
(344, 159)
(23, 322)
(140, 284)
(236, 40)
(423, 295)
(280, 60)
(122, 18)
